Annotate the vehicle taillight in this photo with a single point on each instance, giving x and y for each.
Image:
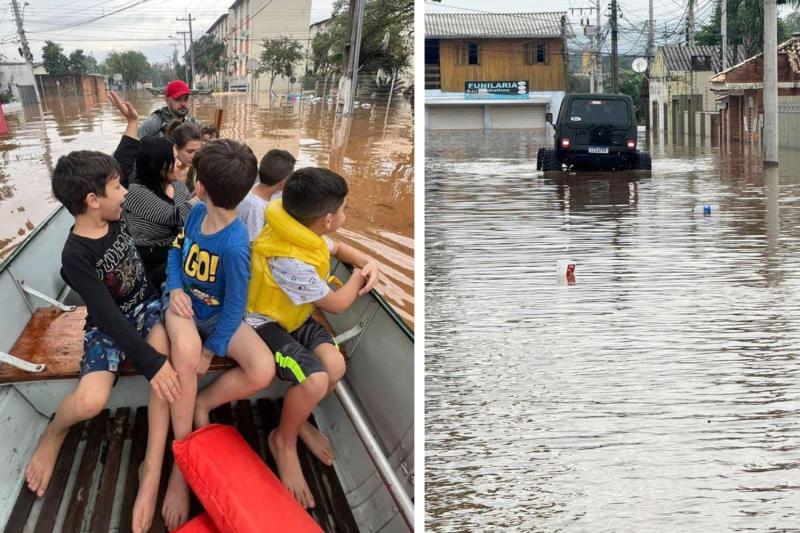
(564, 142)
(631, 144)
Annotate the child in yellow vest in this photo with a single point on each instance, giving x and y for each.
(290, 267)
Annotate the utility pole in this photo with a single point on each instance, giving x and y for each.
(564, 51)
(191, 44)
(599, 42)
(770, 129)
(651, 42)
(690, 24)
(590, 31)
(724, 27)
(25, 52)
(352, 49)
(185, 52)
(614, 65)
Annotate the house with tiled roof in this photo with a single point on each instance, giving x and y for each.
(680, 98)
(739, 94)
(494, 70)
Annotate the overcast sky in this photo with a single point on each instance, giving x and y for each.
(632, 24)
(145, 27)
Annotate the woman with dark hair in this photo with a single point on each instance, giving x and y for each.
(188, 139)
(157, 203)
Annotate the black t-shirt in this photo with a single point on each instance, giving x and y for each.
(109, 276)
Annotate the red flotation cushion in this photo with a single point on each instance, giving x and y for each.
(234, 485)
(201, 523)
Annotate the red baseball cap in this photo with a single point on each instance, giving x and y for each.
(176, 89)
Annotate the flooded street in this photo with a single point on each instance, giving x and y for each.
(374, 152)
(659, 392)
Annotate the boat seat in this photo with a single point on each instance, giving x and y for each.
(55, 338)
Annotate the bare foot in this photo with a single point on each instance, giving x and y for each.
(201, 415)
(40, 469)
(176, 500)
(318, 443)
(289, 469)
(145, 504)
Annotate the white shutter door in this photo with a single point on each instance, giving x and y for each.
(455, 117)
(517, 117)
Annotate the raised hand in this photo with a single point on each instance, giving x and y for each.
(125, 108)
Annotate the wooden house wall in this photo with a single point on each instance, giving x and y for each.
(502, 60)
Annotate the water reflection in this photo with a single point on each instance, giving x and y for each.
(656, 393)
(375, 155)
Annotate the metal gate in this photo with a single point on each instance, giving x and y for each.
(789, 121)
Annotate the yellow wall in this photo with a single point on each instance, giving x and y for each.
(502, 60)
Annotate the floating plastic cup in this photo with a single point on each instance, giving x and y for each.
(565, 268)
(706, 209)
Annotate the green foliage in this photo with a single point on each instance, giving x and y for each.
(745, 26)
(133, 66)
(630, 83)
(78, 62)
(386, 41)
(55, 62)
(162, 74)
(209, 55)
(279, 58)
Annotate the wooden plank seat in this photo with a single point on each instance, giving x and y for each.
(90, 500)
(55, 338)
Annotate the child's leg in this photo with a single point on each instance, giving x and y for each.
(255, 372)
(158, 427)
(317, 443)
(313, 335)
(296, 364)
(185, 355)
(298, 403)
(85, 402)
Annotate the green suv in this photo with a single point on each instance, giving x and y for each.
(594, 132)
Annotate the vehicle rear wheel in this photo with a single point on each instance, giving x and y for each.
(642, 161)
(550, 161)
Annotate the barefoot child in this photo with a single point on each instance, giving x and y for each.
(207, 274)
(290, 267)
(123, 320)
(275, 167)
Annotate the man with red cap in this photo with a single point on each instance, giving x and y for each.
(177, 95)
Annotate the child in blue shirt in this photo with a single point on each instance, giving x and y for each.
(208, 271)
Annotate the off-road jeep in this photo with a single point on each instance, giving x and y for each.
(594, 132)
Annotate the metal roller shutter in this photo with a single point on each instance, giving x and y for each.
(516, 117)
(455, 117)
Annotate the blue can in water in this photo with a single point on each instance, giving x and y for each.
(706, 209)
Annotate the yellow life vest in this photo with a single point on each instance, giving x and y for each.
(283, 236)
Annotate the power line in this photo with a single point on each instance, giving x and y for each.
(129, 6)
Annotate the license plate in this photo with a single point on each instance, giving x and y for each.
(598, 149)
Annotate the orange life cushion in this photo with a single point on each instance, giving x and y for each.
(234, 485)
(201, 523)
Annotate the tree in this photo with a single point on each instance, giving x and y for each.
(279, 58)
(745, 26)
(78, 63)
(209, 55)
(54, 60)
(386, 42)
(133, 66)
(162, 74)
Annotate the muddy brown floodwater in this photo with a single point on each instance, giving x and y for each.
(660, 391)
(374, 151)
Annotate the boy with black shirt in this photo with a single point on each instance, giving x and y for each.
(123, 320)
